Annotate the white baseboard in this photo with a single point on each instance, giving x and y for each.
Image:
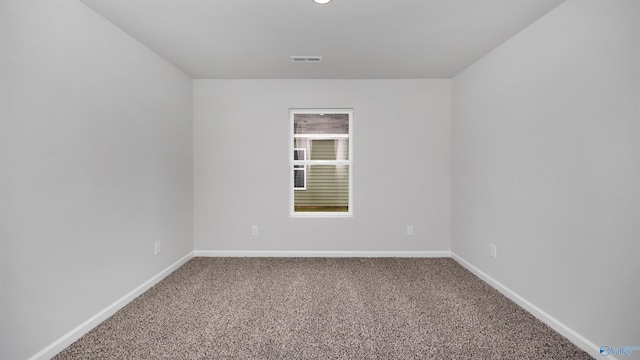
(75, 334)
(400, 254)
(577, 339)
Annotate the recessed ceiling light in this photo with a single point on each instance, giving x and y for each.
(321, 2)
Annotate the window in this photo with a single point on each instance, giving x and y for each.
(320, 162)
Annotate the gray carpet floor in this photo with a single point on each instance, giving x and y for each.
(322, 308)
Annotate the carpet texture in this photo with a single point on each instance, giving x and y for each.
(322, 308)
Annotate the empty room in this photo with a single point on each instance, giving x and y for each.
(301, 179)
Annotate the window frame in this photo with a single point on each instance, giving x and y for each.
(349, 162)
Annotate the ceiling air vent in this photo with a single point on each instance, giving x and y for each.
(306, 59)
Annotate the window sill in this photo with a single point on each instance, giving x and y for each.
(321, 215)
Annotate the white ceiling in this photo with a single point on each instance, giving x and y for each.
(356, 38)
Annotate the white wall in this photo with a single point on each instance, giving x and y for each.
(546, 166)
(96, 166)
(401, 165)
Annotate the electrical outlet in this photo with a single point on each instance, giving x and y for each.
(493, 251)
(254, 230)
(409, 230)
(156, 248)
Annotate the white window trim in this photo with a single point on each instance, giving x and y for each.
(292, 113)
(322, 136)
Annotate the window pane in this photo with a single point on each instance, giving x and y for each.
(321, 149)
(299, 153)
(327, 189)
(299, 177)
(333, 149)
(321, 124)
